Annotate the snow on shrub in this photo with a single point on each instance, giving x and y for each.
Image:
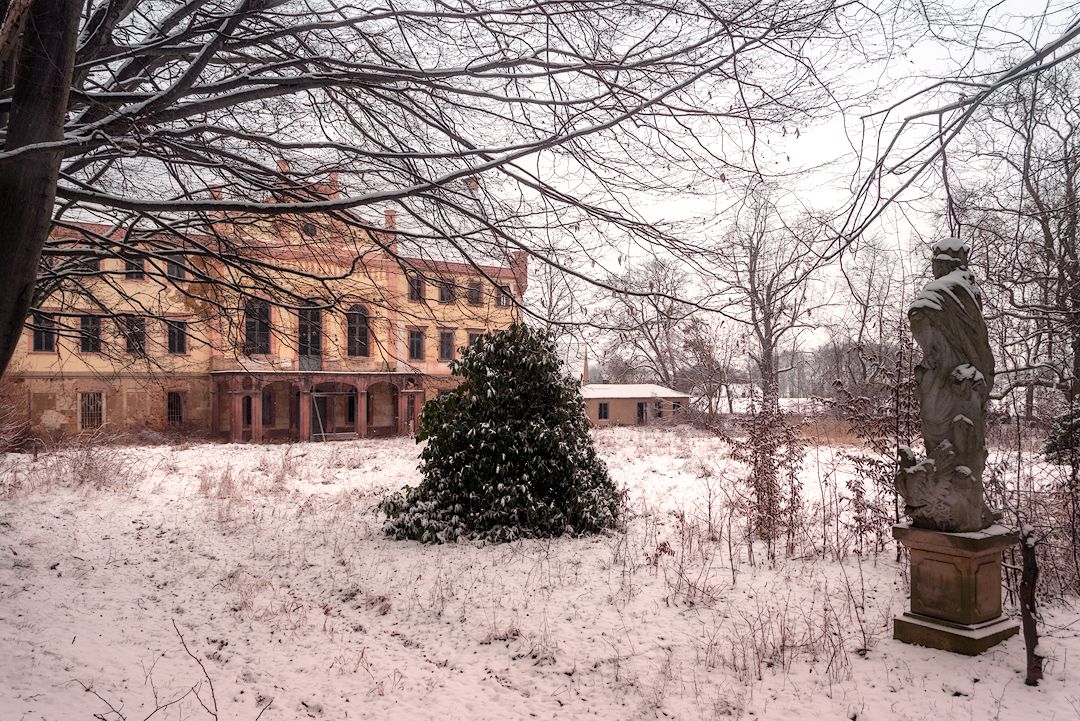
(509, 453)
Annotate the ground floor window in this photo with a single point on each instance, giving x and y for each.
(247, 410)
(350, 409)
(174, 408)
(675, 407)
(91, 410)
(659, 409)
(603, 412)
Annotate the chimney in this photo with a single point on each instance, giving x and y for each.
(334, 184)
(389, 218)
(216, 193)
(519, 266)
(474, 185)
(283, 165)
(585, 367)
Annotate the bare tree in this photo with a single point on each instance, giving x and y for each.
(764, 270)
(649, 324)
(492, 126)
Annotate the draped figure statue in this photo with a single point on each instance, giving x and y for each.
(944, 491)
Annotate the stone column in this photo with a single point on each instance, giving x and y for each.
(256, 416)
(361, 411)
(403, 421)
(236, 417)
(305, 414)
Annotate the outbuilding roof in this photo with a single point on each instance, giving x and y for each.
(629, 390)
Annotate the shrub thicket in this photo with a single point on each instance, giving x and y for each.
(509, 453)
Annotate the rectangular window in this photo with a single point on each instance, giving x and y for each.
(350, 409)
(91, 410)
(134, 268)
(174, 408)
(176, 266)
(89, 264)
(503, 298)
(257, 327)
(416, 287)
(474, 292)
(474, 335)
(416, 345)
(134, 331)
(676, 406)
(245, 408)
(90, 334)
(602, 414)
(659, 409)
(178, 336)
(446, 293)
(446, 345)
(44, 333)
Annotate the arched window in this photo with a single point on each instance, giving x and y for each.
(359, 331)
(257, 327)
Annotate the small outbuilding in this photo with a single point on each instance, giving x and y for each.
(625, 404)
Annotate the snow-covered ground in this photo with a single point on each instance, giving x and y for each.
(269, 562)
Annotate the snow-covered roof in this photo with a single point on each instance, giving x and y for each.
(629, 390)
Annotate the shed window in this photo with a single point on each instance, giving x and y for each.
(602, 413)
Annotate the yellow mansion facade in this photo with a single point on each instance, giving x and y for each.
(343, 337)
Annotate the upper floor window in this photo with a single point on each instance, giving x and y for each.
(416, 344)
(89, 263)
(473, 293)
(446, 292)
(134, 268)
(310, 331)
(176, 266)
(90, 334)
(257, 327)
(133, 329)
(44, 333)
(416, 287)
(358, 331)
(446, 345)
(503, 298)
(178, 336)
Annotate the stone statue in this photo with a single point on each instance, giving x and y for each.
(944, 491)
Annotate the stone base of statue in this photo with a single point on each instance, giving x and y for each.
(955, 589)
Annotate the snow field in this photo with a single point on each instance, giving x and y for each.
(271, 563)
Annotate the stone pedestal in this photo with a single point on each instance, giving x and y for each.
(955, 589)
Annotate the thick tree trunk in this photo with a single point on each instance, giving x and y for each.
(28, 182)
